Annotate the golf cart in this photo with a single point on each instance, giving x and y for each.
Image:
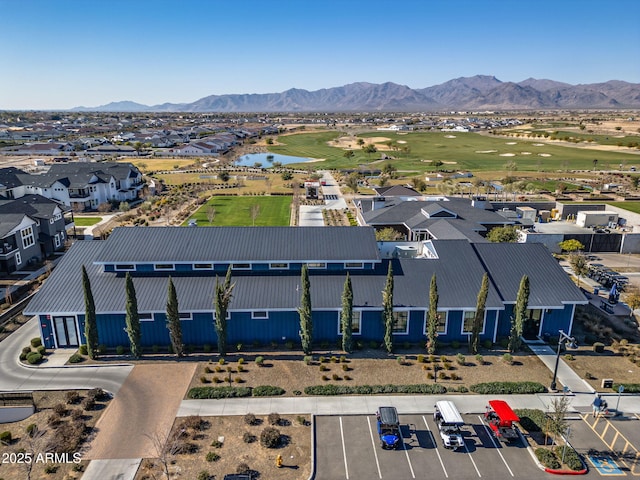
(449, 422)
(388, 427)
(501, 420)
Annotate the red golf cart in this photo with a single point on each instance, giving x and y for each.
(501, 420)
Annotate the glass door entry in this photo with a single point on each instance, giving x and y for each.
(66, 334)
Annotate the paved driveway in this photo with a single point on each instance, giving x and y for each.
(144, 408)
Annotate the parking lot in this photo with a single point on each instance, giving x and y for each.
(347, 447)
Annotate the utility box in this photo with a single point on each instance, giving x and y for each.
(590, 218)
(527, 213)
(607, 383)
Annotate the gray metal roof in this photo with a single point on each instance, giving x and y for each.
(239, 244)
(549, 285)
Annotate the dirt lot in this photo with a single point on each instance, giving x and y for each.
(369, 367)
(64, 466)
(221, 444)
(608, 364)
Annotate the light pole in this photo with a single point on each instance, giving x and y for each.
(571, 343)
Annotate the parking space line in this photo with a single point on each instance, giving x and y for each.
(493, 440)
(470, 457)
(373, 444)
(628, 445)
(344, 450)
(435, 446)
(404, 447)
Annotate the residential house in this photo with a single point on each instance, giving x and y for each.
(266, 267)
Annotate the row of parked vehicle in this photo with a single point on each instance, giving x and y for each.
(499, 416)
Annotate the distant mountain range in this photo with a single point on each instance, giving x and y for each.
(478, 93)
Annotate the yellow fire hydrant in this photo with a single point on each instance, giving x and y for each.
(279, 461)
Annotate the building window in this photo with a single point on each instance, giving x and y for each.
(354, 265)
(259, 314)
(56, 240)
(18, 259)
(279, 266)
(145, 317)
(356, 322)
(27, 237)
(203, 266)
(185, 316)
(228, 316)
(467, 322)
(401, 322)
(442, 322)
(164, 266)
(123, 267)
(241, 266)
(535, 314)
(317, 265)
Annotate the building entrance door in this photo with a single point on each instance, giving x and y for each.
(66, 334)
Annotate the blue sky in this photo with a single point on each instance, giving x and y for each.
(57, 54)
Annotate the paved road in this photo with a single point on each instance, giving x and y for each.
(16, 376)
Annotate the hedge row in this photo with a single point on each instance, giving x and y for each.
(332, 389)
(505, 388)
(628, 387)
(532, 419)
(233, 392)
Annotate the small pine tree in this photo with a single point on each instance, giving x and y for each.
(222, 298)
(305, 312)
(132, 318)
(387, 310)
(519, 315)
(432, 320)
(478, 319)
(90, 325)
(173, 320)
(346, 316)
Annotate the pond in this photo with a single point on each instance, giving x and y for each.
(266, 160)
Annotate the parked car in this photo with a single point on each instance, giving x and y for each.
(388, 427)
(449, 422)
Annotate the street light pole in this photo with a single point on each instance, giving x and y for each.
(572, 344)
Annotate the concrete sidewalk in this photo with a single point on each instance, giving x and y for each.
(566, 376)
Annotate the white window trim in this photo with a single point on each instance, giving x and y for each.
(446, 322)
(119, 267)
(146, 319)
(354, 265)
(484, 323)
(56, 240)
(18, 258)
(285, 266)
(228, 317)
(28, 239)
(171, 267)
(234, 266)
(317, 265)
(185, 316)
(254, 317)
(209, 266)
(406, 332)
(340, 322)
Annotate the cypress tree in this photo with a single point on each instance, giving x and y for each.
(173, 320)
(387, 310)
(222, 298)
(90, 326)
(432, 319)
(306, 323)
(519, 314)
(346, 316)
(478, 319)
(132, 318)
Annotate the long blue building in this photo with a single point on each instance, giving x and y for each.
(266, 263)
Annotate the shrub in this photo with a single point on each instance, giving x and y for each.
(420, 358)
(76, 415)
(31, 429)
(463, 389)
(532, 419)
(88, 403)
(218, 392)
(589, 376)
(5, 437)
(308, 359)
(505, 388)
(259, 361)
(447, 366)
(241, 361)
(455, 344)
(335, 376)
(301, 420)
(442, 375)
(569, 357)
(267, 391)
(571, 457)
(41, 350)
(461, 359)
(218, 368)
(119, 350)
(83, 350)
(76, 358)
(479, 359)
(487, 344)
(207, 370)
(598, 347)
(400, 360)
(343, 359)
(274, 419)
(430, 375)
(347, 377)
(72, 397)
(240, 369)
(155, 348)
(250, 419)
(628, 387)
(324, 378)
(23, 357)
(212, 457)
(203, 475)
(243, 468)
(98, 394)
(36, 342)
(221, 361)
(248, 437)
(507, 358)
(333, 389)
(50, 469)
(324, 368)
(454, 376)
(26, 350)
(34, 358)
(204, 379)
(206, 348)
(345, 367)
(322, 359)
(270, 437)
(547, 458)
(60, 409)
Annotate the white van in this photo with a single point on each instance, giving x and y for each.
(449, 422)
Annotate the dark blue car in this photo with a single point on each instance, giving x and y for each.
(388, 427)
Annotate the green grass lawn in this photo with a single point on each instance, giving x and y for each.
(465, 151)
(86, 221)
(631, 206)
(236, 211)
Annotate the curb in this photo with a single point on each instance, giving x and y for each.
(566, 472)
(552, 471)
(312, 472)
(43, 367)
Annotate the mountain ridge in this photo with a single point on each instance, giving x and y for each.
(480, 92)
